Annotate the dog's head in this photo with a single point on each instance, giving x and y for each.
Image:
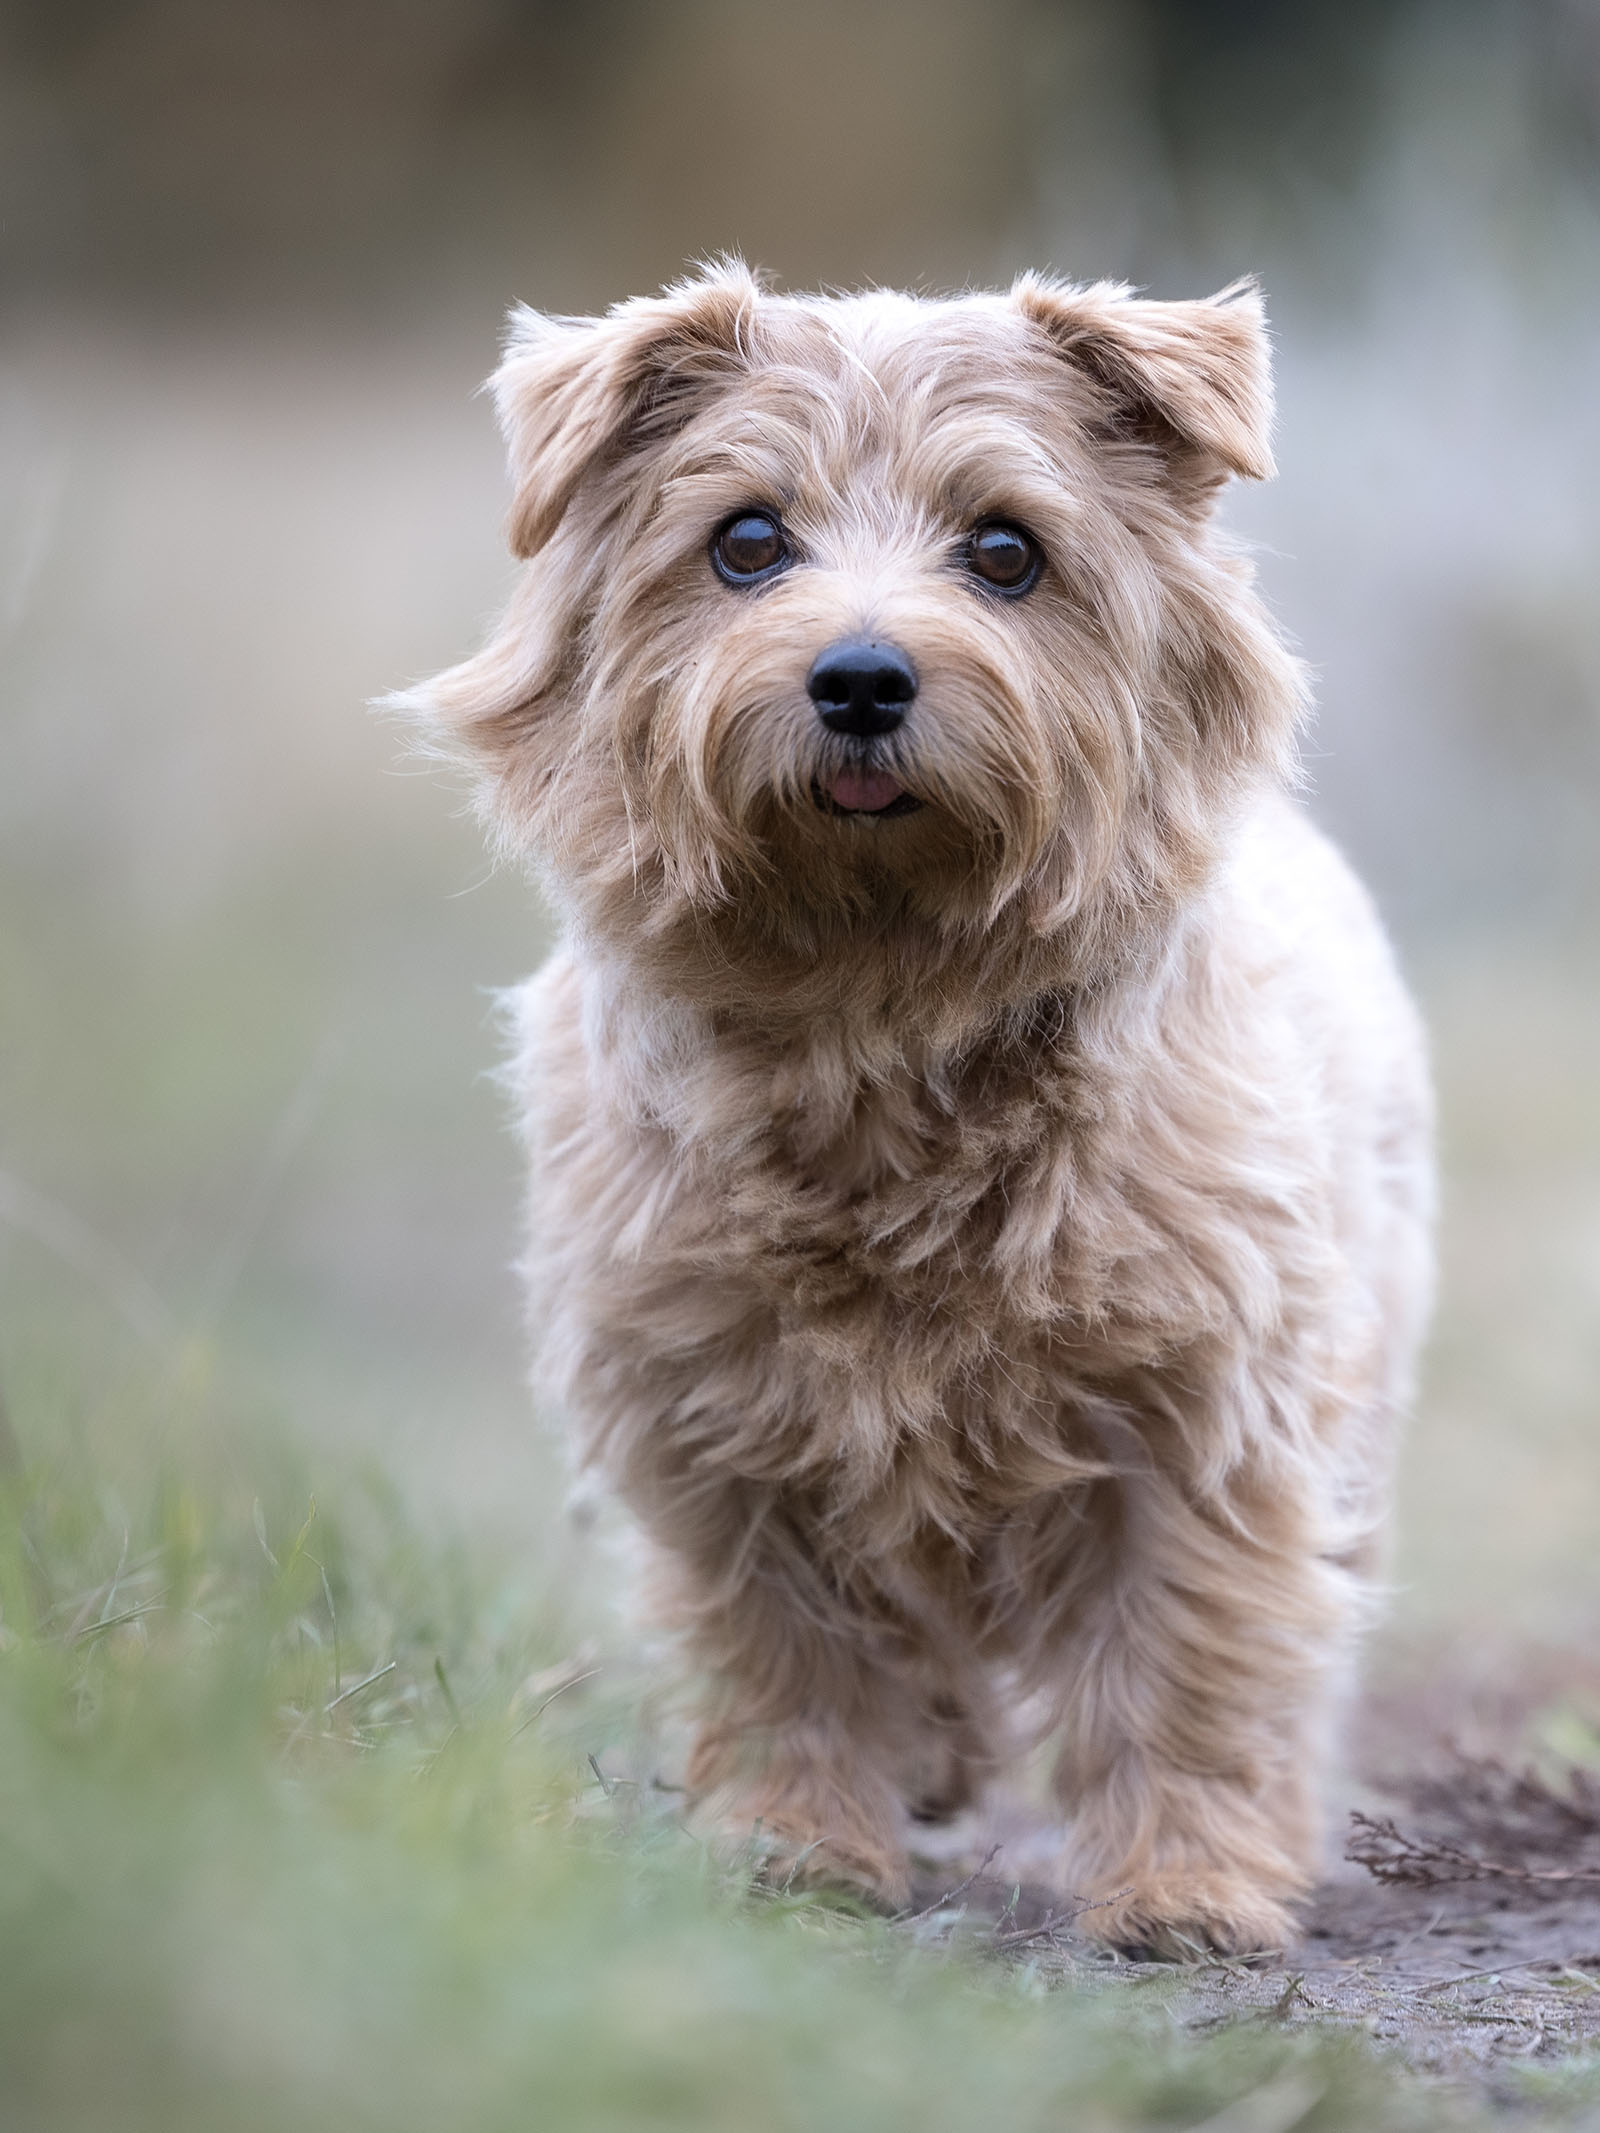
(846, 613)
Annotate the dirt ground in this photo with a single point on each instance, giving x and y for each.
(1464, 1981)
(1461, 1930)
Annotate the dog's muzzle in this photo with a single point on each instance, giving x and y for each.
(862, 688)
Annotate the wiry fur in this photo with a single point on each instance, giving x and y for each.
(985, 1250)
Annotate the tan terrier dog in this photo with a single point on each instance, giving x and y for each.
(980, 1144)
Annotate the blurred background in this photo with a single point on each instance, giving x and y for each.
(253, 263)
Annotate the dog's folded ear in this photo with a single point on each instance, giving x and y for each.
(1192, 379)
(575, 393)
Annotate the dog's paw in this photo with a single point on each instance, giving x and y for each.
(1186, 1917)
(786, 1852)
(788, 1860)
(803, 1814)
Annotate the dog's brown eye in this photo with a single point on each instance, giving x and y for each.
(1004, 557)
(748, 547)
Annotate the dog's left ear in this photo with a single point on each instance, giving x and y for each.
(575, 393)
(1193, 379)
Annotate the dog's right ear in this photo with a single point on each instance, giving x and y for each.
(1192, 380)
(574, 394)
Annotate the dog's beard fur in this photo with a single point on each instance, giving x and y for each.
(646, 729)
(977, 1237)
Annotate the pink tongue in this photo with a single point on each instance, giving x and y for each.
(864, 792)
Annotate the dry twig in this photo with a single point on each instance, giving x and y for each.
(929, 1910)
(1389, 1855)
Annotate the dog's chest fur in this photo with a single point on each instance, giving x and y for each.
(926, 1290)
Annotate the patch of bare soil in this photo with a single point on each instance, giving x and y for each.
(1461, 1930)
(1458, 1928)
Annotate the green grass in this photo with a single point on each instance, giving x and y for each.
(230, 1900)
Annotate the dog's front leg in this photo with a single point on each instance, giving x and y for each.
(1195, 1713)
(794, 1757)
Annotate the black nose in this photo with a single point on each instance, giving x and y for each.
(862, 686)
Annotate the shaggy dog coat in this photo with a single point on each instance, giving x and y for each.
(983, 1239)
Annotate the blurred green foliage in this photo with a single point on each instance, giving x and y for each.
(294, 1836)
